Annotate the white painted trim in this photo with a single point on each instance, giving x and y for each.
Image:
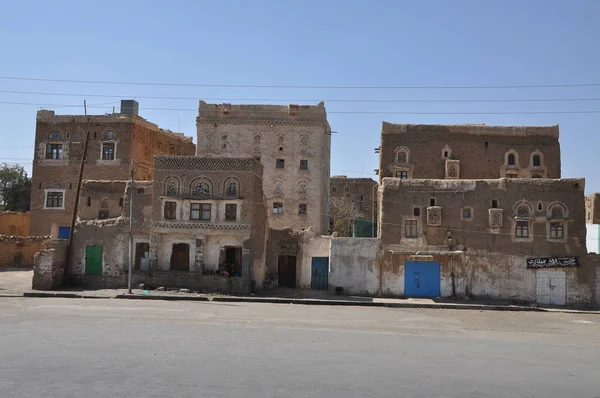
(46, 198)
(108, 161)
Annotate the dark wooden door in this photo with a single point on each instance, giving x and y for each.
(180, 257)
(286, 271)
(141, 254)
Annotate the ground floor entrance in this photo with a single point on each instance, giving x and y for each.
(93, 260)
(422, 279)
(551, 287)
(286, 271)
(180, 257)
(320, 273)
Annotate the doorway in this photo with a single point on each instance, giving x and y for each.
(233, 260)
(180, 257)
(551, 287)
(286, 271)
(422, 279)
(320, 273)
(93, 260)
(142, 256)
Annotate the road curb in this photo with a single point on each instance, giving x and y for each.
(166, 298)
(378, 304)
(11, 295)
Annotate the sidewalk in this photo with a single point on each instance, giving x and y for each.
(281, 299)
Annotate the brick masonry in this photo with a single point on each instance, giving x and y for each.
(19, 251)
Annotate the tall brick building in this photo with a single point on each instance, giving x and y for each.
(113, 141)
(292, 142)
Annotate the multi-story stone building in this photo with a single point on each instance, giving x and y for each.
(468, 151)
(294, 145)
(200, 224)
(113, 142)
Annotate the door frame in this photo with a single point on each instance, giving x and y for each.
(85, 267)
(437, 279)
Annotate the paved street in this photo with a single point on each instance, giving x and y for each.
(122, 348)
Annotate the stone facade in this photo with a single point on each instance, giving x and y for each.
(113, 142)
(293, 144)
(468, 151)
(201, 222)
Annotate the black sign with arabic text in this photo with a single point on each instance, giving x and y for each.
(552, 262)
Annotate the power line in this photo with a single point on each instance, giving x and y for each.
(333, 87)
(305, 100)
(330, 112)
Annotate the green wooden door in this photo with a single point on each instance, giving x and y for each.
(93, 260)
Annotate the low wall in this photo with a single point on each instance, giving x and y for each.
(18, 251)
(354, 265)
(13, 223)
(169, 279)
(49, 266)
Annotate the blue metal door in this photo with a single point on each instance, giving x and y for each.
(320, 272)
(422, 279)
(63, 232)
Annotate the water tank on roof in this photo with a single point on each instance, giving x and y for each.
(129, 107)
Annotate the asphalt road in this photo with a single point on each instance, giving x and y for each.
(122, 348)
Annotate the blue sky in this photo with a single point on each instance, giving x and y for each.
(311, 42)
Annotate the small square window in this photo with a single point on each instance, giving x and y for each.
(494, 203)
(410, 229)
(304, 164)
(302, 208)
(467, 213)
(417, 211)
(402, 174)
(103, 214)
(277, 208)
(431, 201)
(54, 151)
(108, 151)
(230, 212)
(170, 211)
(280, 163)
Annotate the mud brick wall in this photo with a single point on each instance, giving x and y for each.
(18, 251)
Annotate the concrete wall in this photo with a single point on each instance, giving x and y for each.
(49, 267)
(354, 265)
(481, 150)
(593, 238)
(311, 245)
(13, 223)
(19, 251)
(271, 132)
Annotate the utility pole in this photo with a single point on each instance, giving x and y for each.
(129, 279)
(373, 199)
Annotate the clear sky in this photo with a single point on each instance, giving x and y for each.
(311, 42)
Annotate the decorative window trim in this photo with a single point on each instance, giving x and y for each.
(46, 191)
(506, 162)
(550, 211)
(406, 151)
(201, 211)
(549, 231)
(495, 217)
(55, 135)
(452, 169)
(109, 135)
(278, 188)
(303, 188)
(434, 216)
(541, 155)
(197, 182)
(238, 187)
(520, 204)
(62, 152)
(168, 182)
(402, 170)
(520, 226)
(108, 161)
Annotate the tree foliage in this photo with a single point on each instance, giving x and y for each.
(15, 188)
(344, 213)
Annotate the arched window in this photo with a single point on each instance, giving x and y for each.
(104, 203)
(55, 183)
(511, 159)
(232, 187)
(55, 136)
(536, 160)
(171, 186)
(109, 136)
(278, 187)
(523, 211)
(557, 210)
(402, 156)
(201, 188)
(302, 187)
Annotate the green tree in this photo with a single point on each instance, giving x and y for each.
(15, 188)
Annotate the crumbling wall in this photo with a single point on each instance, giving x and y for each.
(354, 265)
(49, 266)
(19, 251)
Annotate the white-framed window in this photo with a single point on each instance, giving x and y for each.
(200, 211)
(402, 155)
(54, 199)
(108, 150)
(511, 159)
(402, 174)
(522, 229)
(557, 230)
(411, 229)
(277, 208)
(54, 151)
